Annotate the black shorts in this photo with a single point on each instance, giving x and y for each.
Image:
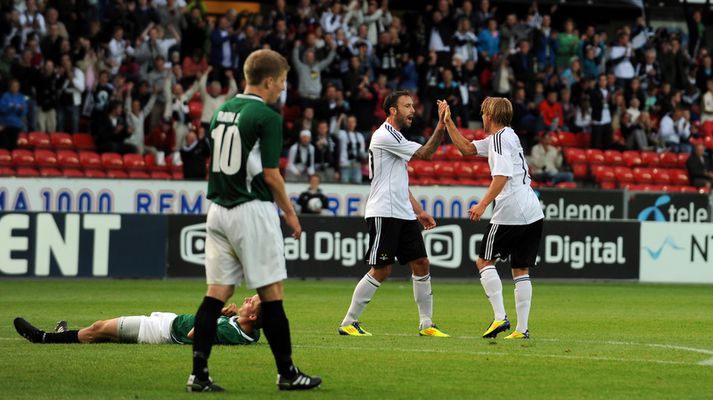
(521, 242)
(391, 238)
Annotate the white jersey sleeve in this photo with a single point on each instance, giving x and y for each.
(500, 157)
(482, 146)
(395, 143)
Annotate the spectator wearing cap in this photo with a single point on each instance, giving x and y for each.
(300, 159)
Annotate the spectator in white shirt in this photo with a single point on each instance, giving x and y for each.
(465, 41)
(675, 130)
(707, 103)
(300, 159)
(620, 58)
(546, 162)
(118, 49)
(332, 18)
(135, 117)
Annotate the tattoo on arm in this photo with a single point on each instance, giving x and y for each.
(426, 151)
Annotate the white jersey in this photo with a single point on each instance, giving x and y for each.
(389, 153)
(517, 203)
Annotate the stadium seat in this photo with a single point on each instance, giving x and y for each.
(116, 174)
(61, 140)
(643, 175)
(413, 180)
(463, 170)
(112, 161)
(150, 162)
(137, 174)
(38, 140)
(134, 162)
(662, 176)
(83, 141)
(68, 159)
(603, 173)
(27, 172)
(23, 158)
(5, 158)
(567, 139)
(440, 154)
(707, 128)
(195, 109)
(6, 171)
(160, 175)
(452, 153)
(668, 159)
(679, 177)
(682, 158)
(649, 159)
(50, 172)
(424, 170)
(580, 171)
(72, 173)
(575, 156)
(22, 140)
(443, 169)
(632, 158)
(45, 158)
(584, 139)
(468, 133)
(566, 185)
(94, 173)
(613, 158)
(623, 175)
(595, 156)
(708, 142)
(89, 159)
(177, 175)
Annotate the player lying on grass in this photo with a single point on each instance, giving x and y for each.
(237, 325)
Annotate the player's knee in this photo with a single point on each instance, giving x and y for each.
(380, 273)
(480, 263)
(420, 267)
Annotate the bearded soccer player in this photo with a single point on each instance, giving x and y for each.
(235, 326)
(244, 238)
(392, 214)
(515, 228)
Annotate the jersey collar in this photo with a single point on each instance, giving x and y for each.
(249, 96)
(391, 126)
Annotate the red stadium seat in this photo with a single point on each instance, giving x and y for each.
(23, 158)
(195, 109)
(61, 140)
(5, 158)
(424, 170)
(177, 175)
(632, 158)
(708, 142)
(68, 159)
(687, 189)
(22, 141)
(38, 140)
(606, 185)
(137, 174)
(6, 171)
(682, 158)
(649, 158)
(679, 177)
(51, 172)
(73, 173)
(643, 175)
(468, 133)
(112, 161)
(668, 159)
(150, 161)
(27, 172)
(575, 156)
(603, 173)
(45, 158)
(463, 170)
(414, 181)
(116, 174)
(613, 158)
(480, 134)
(567, 139)
(440, 154)
(443, 169)
(83, 141)
(160, 175)
(566, 185)
(623, 175)
(452, 153)
(580, 171)
(662, 176)
(707, 128)
(595, 156)
(89, 159)
(94, 173)
(134, 162)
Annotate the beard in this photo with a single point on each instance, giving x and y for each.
(403, 121)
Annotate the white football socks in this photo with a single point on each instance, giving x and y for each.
(523, 299)
(363, 292)
(494, 290)
(423, 295)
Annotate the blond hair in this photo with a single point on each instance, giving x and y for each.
(499, 109)
(262, 64)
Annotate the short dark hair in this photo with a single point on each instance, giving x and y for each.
(393, 98)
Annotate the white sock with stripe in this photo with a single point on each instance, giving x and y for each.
(493, 286)
(423, 295)
(523, 299)
(363, 292)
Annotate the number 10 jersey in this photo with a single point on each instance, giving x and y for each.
(245, 137)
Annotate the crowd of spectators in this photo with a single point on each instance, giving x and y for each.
(126, 70)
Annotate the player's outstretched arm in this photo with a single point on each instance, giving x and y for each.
(426, 151)
(464, 145)
(274, 181)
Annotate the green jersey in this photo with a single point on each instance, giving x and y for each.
(245, 136)
(228, 331)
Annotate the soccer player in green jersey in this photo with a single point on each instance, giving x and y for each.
(244, 238)
(234, 326)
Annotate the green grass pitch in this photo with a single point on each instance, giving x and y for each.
(590, 341)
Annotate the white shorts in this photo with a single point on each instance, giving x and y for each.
(154, 329)
(245, 240)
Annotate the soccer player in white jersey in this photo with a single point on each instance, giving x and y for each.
(515, 228)
(392, 213)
